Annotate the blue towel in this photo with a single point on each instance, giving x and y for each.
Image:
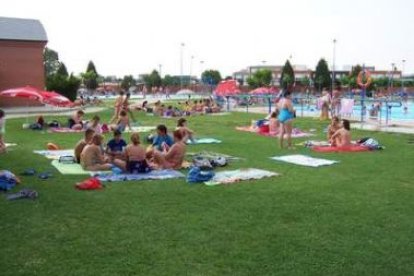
(155, 174)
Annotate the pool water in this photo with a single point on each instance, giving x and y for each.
(395, 112)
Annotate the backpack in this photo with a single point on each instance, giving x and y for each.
(196, 175)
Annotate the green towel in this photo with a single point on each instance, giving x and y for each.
(69, 168)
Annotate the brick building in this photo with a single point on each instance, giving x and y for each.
(22, 42)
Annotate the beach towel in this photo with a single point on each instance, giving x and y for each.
(212, 155)
(350, 148)
(229, 177)
(311, 143)
(347, 106)
(296, 132)
(153, 175)
(304, 160)
(10, 145)
(72, 169)
(141, 129)
(65, 130)
(55, 154)
(204, 141)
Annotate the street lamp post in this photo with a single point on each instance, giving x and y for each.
(402, 75)
(159, 69)
(181, 64)
(191, 67)
(333, 66)
(392, 77)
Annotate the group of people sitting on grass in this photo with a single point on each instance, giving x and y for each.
(187, 108)
(165, 152)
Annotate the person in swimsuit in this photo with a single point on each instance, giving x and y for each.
(125, 106)
(333, 127)
(342, 137)
(75, 122)
(83, 143)
(174, 156)
(135, 161)
(118, 107)
(286, 115)
(185, 131)
(274, 124)
(122, 123)
(92, 158)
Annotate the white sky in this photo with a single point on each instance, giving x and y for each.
(133, 37)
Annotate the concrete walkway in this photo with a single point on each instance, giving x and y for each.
(23, 112)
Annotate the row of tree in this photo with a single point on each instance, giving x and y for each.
(322, 78)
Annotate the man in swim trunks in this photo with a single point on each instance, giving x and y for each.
(174, 156)
(342, 137)
(82, 143)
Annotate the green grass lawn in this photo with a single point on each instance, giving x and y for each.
(353, 218)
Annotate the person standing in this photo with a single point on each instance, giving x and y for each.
(286, 116)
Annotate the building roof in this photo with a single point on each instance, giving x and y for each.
(21, 29)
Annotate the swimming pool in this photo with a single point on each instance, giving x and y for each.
(396, 111)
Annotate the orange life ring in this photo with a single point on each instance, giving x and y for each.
(367, 76)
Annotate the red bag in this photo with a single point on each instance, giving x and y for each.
(89, 184)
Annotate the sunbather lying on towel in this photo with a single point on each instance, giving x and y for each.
(92, 157)
(173, 157)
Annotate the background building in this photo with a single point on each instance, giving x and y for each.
(22, 42)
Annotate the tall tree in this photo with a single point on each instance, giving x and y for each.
(322, 77)
(62, 70)
(65, 85)
(90, 77)
(127, 82)
(211, 77)
(287, 77)
(50, 61)
(260, 78)
(91, 67)
(153, 79)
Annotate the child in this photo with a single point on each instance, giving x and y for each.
(95, 125)
(162, 140)
(185, 131)
(75, 122)
(92, 158)
(122, 123)
(135, 161)
(333, 127)
(89, 133)
(342, 137)
(274, 124)
(325, 102)
(173, 157)
(115, 146)
(2, 131)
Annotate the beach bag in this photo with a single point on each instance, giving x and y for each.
(68, 159)
(372, 144)
(196, 175)
(202, 163)
(8, 180)
(54, 124)
(219, 161)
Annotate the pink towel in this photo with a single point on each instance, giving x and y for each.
(347, 106)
